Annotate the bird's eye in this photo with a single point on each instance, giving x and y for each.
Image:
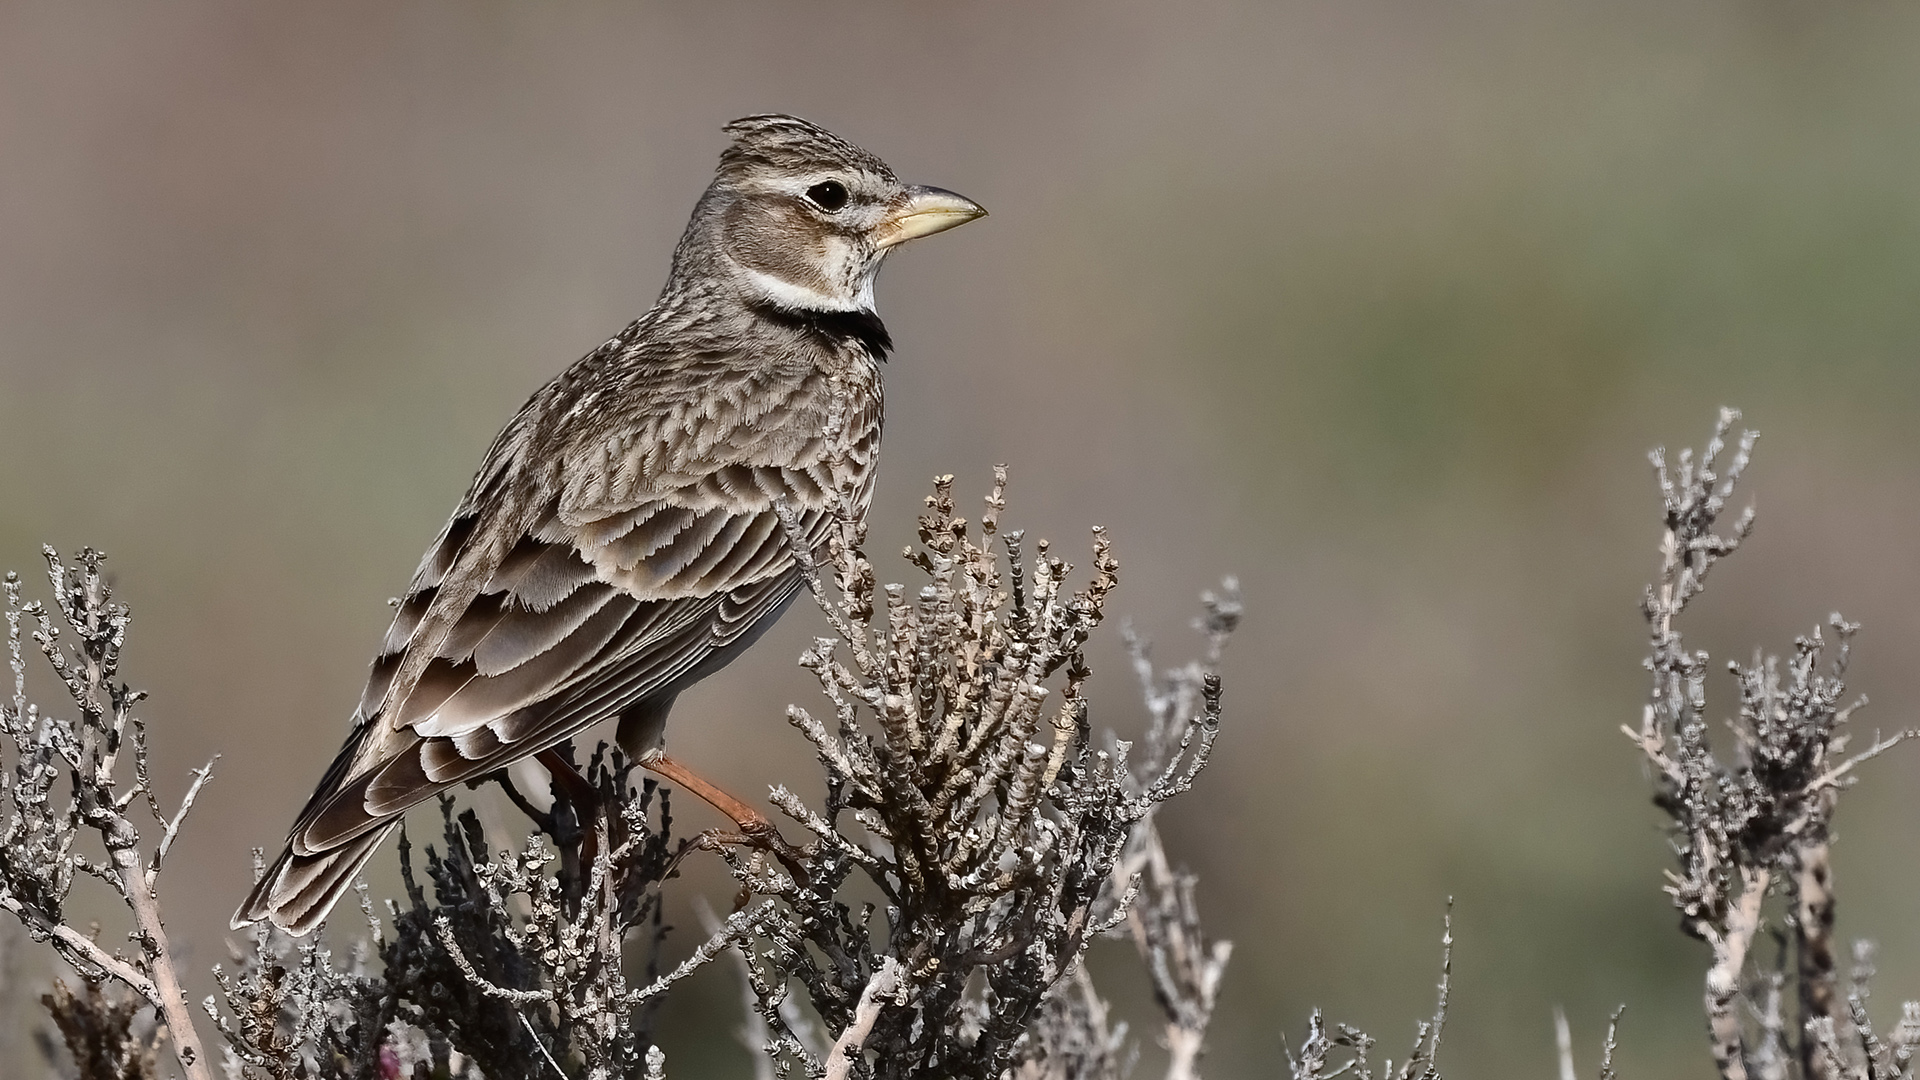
(828, 195)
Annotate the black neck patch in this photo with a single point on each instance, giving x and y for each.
(839, 326)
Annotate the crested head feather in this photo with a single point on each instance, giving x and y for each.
(789, 144)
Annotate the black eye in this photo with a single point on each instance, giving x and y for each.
(828, 195)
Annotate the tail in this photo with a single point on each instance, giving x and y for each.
(298, 891)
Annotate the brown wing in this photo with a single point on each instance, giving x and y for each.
(550, 646)
(546, 649)
(644, 560)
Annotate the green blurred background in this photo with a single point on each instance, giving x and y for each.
(1377, 304)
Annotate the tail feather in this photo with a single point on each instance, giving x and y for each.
(298, 891)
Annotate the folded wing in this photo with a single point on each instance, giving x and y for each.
(574, 624)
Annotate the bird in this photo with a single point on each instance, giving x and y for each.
(633, 528)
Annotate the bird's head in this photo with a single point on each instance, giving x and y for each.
(799, 218)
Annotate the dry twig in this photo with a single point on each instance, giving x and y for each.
(1757, 822)
(64, 776)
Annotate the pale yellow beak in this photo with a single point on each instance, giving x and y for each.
(928, 210)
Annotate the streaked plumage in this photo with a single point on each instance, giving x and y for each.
(621, 540)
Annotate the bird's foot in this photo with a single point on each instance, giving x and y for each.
(768, 840)
(580, 797)
(755, 829)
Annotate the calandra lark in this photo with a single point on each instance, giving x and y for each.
(624, 536)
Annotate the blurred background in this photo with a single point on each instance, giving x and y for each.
(1377, 304)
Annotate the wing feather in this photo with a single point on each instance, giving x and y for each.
(522, 634)
(479, 620)
(748, 546)
(667, 662)
(539, 575)
(585, 575)
(645, 537)
(484, 698)
(664, 564)
(719, 547)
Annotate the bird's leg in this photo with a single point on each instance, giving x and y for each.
(755, 829)
(580, 796)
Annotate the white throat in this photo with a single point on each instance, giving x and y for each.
(785, 294)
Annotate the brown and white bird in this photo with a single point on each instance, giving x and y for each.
(621, 540)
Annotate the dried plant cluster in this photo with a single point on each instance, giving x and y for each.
(976, 834)
(1751, 827)
(1751, 824)
(517, 963)
(989, 819)
(63, 778)
(1348, 1051)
